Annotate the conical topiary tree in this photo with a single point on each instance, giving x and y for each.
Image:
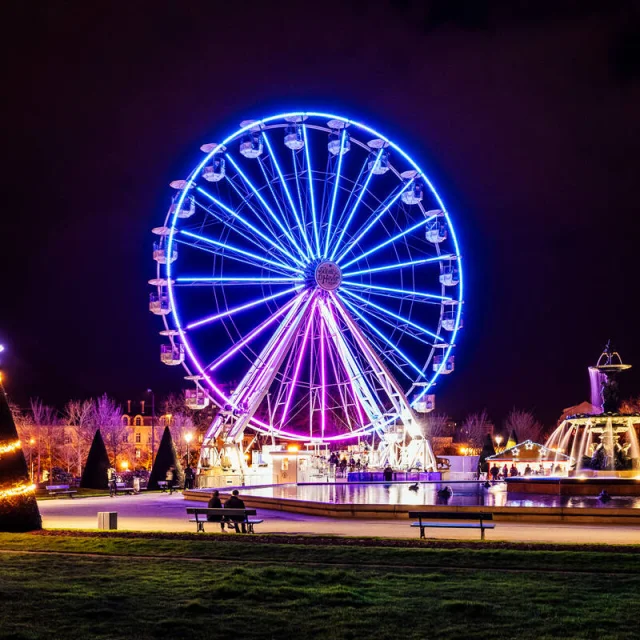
(94, 475)
(487, 450)
(513, 439)
(18, 506)
(165, 458)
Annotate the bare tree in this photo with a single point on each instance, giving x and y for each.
(525, 425)
(79, 418)
(45, 421)
(107, 416)
(475, 428)
(434, 425)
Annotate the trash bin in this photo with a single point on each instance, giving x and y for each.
(107, 520)
(136, 484)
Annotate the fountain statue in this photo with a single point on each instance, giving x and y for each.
(602, 443)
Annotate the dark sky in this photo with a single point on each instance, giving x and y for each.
(528, 119)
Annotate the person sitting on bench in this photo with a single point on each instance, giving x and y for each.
(214, 503)
(234, 502)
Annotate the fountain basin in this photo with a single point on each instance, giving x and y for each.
(582, 485)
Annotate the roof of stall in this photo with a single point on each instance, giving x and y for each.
(529, 451)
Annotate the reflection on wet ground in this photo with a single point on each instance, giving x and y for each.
(469, 494)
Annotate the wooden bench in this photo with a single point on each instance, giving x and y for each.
(60, 490)
(451, 520)
(200, 517)
(121, 487)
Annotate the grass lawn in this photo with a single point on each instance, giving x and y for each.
(88, 586)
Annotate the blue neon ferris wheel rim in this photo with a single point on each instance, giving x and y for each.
(175, 314)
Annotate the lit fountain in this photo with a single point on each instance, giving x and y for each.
(603, 447)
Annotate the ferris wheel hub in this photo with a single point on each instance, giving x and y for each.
(328, 275)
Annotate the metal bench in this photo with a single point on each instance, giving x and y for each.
(121, 487)
(451, 520)
(60, 490)
(200, 517)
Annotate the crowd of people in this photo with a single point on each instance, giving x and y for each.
(340, 464)
(497, 473)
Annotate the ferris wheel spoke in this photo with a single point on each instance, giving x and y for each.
(408, 331)
(233, 249)
(386, 340)
(266, 206)
(391, 314)
(186, 281)
(243, 307)
(311, 194)
(363, 191)
(255, 332)
(398, 265)
(393, 198)
(335, 366)
(391, 240)
(296, 372)
(364, 396)
(336, 186)
(266, 222)
(247, 224)
(379, 369)
(285, 187)
(402, 293)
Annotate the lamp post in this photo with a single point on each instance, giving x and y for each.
(188, 437)
(32, 441)
(498, 441)
(153, 424)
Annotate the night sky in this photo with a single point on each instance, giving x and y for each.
(526, 118)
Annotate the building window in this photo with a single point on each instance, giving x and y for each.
(137, 453)
(138, 439)
(125, 421)
(125, 437)
(138, 421)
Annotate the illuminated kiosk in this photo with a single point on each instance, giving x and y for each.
(602, 448)
(310, 259)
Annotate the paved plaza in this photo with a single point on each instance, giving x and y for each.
(164, 512)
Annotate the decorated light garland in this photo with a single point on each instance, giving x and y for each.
(11, 447)
(17, 490)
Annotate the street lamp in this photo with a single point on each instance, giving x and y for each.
(188, 438)
(32, 441)
(153, 424)
(499, 440)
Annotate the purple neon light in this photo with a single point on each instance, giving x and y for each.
(242, 307)
(296, 371)
(258, 330)
(356, 400)
(275, 354)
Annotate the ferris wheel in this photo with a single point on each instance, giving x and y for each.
(309, 279)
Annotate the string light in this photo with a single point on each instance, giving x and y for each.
(17, 490)
(10, 448)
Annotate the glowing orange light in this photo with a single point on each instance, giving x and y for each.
(293, 447)
(11, 447)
